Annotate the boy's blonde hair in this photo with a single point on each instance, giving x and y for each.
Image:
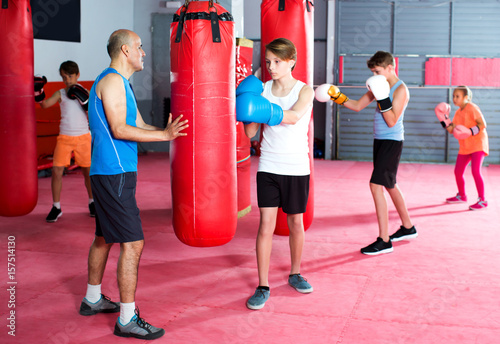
(284, 49)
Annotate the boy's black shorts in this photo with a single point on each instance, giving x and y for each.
(117, 214)
(386, 155)
(288, 192)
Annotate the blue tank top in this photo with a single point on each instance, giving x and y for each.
(381, 130)
(109, 155)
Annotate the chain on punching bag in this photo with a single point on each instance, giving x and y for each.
(203, 163)
(18, 171)
(294, 20)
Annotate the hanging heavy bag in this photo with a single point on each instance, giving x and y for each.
(203, 163)
(18, 171)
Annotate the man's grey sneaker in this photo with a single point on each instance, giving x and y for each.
(404, 233)
(138, 328)
(259, 298)
(92, 209)
(300, 283)
(378, 247)
(54, 214)
(104, 305)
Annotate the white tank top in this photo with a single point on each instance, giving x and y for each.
(74, 120)
(284, 147)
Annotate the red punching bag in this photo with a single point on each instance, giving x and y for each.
(18, 171)
(203, 163)
(294, 20)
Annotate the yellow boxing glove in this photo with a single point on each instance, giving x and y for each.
(326, 92)
(337, 96)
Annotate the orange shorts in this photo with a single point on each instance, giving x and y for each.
(67, 144)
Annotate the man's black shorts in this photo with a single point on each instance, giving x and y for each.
(288, 192)
(117, 214)
(386, 155)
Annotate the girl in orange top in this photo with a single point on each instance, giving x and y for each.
(472, 149)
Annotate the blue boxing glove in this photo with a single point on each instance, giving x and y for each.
(252, 107)
(250, 84)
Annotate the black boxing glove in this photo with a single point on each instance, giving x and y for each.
(40, 81)
(77, 91)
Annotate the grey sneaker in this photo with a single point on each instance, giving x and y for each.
(104, 305)
(54, 214)
(138, 328)
(300, 283)
(259, 298)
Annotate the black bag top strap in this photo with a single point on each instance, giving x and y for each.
(308, 5)
(226, 16)
(214, 22)
(5, 4)
(281, 5)
(211, 15)
(180, 19)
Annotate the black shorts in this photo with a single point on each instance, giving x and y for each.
(287, 192)
(117, 215)
(386, 155)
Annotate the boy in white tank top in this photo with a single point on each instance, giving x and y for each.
(74, 136)
(283, 174)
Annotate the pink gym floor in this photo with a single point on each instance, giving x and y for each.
(442, 287)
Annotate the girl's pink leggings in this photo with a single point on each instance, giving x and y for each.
(476, 160)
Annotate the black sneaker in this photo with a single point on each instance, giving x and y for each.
(138, 328)
(404, 233)
(92, 209)
(104, 305)
(54, 214)
(378, 247)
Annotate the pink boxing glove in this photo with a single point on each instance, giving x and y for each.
(442, 111)
(461, 132)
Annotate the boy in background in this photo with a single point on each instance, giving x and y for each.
(74, 134)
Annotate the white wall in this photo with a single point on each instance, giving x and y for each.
(98, 20)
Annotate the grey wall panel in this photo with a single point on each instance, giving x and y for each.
(412, 69)
(425, 139)
(356, 129)
(418, 30)
(355, 70)
(364, 27)
(476, 29)
(421, 29)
